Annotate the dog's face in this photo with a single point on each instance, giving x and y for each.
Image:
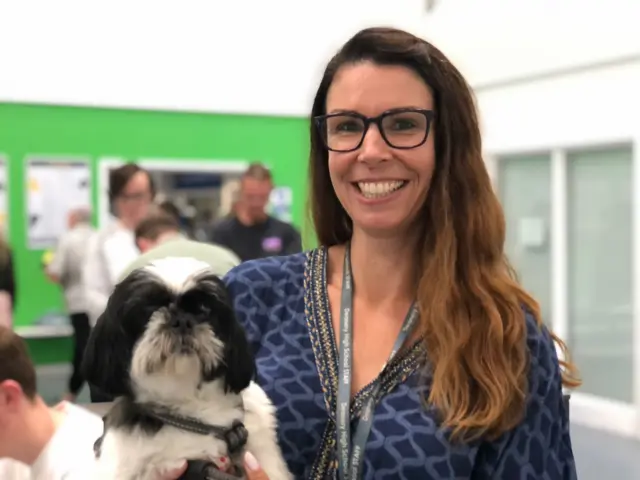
(171, 324)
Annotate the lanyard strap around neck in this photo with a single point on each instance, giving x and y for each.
(350, 461)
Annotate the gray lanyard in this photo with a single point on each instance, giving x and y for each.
(350, 462)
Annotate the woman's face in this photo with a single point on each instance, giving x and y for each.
(382, 188)
(132, 205)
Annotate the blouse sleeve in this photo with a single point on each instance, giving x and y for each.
(540, 447)
(261, 291)
(246, 288)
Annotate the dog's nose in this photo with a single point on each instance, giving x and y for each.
(181, 323)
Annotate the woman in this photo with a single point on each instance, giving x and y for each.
(112, 249)
(406, 218)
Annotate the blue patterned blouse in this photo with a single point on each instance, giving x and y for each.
(282, 302)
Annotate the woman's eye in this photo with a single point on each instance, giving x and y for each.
(404, 124)
(348, 127)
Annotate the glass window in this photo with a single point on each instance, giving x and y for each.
(524, 184)
(600, 270)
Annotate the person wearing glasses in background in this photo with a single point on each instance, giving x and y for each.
(113, 248)
(250, 231)
(131, 193)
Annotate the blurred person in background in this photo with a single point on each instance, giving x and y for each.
(131, 193)
(201, 230)
(38, 442)
(170, 208)
(65, 268)
(158, 236)
(249, 231)
(7, 284)
(112, 249)
(182, 216)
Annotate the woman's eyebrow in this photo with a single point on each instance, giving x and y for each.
(401, 107)
(341, 110)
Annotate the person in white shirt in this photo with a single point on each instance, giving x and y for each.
(38, 442)
(112, 249)
(66, 268)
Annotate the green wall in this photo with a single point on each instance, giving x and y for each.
(51, 130)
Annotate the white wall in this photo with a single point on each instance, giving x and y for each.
(547, 73)
(594, 107)
(492, 40)
(266, 57)
(246, 56)
(552, 79)
(254, 56)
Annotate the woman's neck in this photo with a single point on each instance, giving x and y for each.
(383, 269)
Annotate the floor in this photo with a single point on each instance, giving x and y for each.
(598, 455)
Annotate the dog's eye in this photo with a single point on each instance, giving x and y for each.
(204, 309)
(195, 302)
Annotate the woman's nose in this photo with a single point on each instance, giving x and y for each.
(373, 148)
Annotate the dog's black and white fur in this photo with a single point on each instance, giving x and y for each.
(169, 337)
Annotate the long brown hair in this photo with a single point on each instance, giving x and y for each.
(471, 305)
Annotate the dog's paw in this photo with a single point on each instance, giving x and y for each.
(199, 469)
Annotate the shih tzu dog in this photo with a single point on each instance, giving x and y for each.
(169, 347)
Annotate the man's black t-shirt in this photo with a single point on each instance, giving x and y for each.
(269, 238)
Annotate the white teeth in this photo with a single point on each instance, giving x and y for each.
(379, 189)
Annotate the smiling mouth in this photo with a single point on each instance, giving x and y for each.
(379, 189)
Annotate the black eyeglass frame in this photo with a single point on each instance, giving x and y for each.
(320, 122)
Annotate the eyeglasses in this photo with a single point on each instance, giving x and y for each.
(403, 128)
(135, 197)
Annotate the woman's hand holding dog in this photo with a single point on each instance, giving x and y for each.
(251, 466)
(253, 469)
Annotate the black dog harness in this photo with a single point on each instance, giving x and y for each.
(235, 437)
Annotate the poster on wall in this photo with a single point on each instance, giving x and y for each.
(54, 188)
(4, 196)
(280, 203)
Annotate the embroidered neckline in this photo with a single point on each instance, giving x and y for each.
(323, 340)
(325, 351)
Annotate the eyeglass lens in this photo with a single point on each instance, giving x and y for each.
(400, 129)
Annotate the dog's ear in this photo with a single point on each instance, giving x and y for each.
(108, 354)
(239, 363)
(107, 357)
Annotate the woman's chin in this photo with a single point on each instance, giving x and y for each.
(382, 227)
